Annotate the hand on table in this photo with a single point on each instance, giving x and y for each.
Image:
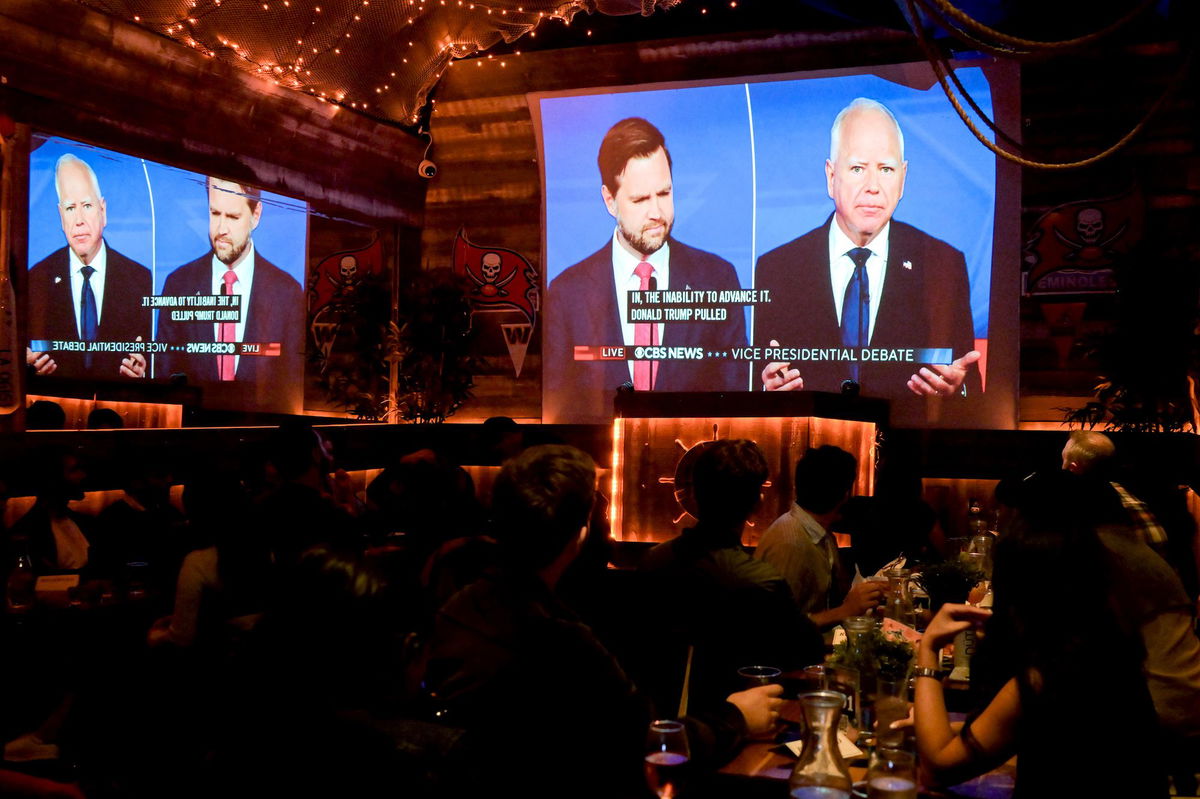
(778, 377)
(943, 379)
(760, 707)
(41, 362)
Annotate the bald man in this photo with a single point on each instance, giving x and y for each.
(86, 291)
(866, 281)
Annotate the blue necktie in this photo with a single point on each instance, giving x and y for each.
(856, 306)
(87, 312)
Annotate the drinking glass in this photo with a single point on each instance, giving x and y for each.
(816, 678)
(891, 774)
(846, 681)
(753, 676)
(667, 758)
(891, 704)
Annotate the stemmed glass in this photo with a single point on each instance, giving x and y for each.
(667, 758)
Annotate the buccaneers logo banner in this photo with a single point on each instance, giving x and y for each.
(339, 276)
(502, 278)
(1074, 247)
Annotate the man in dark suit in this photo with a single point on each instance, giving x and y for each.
(865, 297)
(588, 302)
(271, 303)
(86, 291)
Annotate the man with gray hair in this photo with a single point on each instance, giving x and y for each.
(86, 291)
(866, 297)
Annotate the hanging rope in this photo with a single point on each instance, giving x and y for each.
(946, 9)
(935, 62)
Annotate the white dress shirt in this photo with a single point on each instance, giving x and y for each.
(625, 279)
(245, 281)
(841, 268)
(100, 264)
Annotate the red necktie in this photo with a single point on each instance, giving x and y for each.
(644, 334)
(226, 363)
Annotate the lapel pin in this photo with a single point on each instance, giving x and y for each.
(907, 264)
(58, 280)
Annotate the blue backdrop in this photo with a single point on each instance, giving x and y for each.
(749, 162)
(157, 215)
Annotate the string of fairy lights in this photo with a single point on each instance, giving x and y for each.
(378, 57)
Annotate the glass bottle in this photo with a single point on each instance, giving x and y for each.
(820, 773)
(19, 588)
(976, 520)
(860, 656)
(899, 600)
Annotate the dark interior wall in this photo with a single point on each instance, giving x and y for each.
(74, 72)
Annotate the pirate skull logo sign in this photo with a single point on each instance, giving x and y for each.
(1091, 245)
(348, 270)
(492, 285)
(1089, 223)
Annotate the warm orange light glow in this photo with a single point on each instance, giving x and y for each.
(615, 520)
(647, 451)
(133, 414)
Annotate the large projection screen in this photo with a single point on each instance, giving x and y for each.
(748, 179)
(164, 234)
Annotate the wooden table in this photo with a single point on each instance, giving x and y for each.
(759, 770)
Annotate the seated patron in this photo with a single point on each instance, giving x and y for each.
(734, 610)
(1073, 666)
(800, 547)
(549, 711)
(57, 536)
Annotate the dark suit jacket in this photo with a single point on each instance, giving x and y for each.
(276, 313)
(582, 310)
(122, 317)
(926, 304)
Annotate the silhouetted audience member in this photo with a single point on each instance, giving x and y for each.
(547, 707)
(800, 547)
(734, 610)
(1144, 593)
(225, 582)
(426, 497)
(303, 510)
(502, 439)
(45, 415)
(140, 535)
(893, 522)
(1092, 454)
(298, 697)
(104, 419)
(58, 537)
(1068, 656)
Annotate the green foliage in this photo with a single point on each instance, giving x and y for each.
(1146, 357)
(950, 581)
(432, 347)
(351, 369)
(886, 654)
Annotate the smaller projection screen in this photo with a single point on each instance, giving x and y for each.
(747, 225)
(143, 272)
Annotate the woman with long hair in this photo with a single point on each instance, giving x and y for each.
(1073, 682)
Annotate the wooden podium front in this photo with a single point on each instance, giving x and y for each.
(653, 434)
